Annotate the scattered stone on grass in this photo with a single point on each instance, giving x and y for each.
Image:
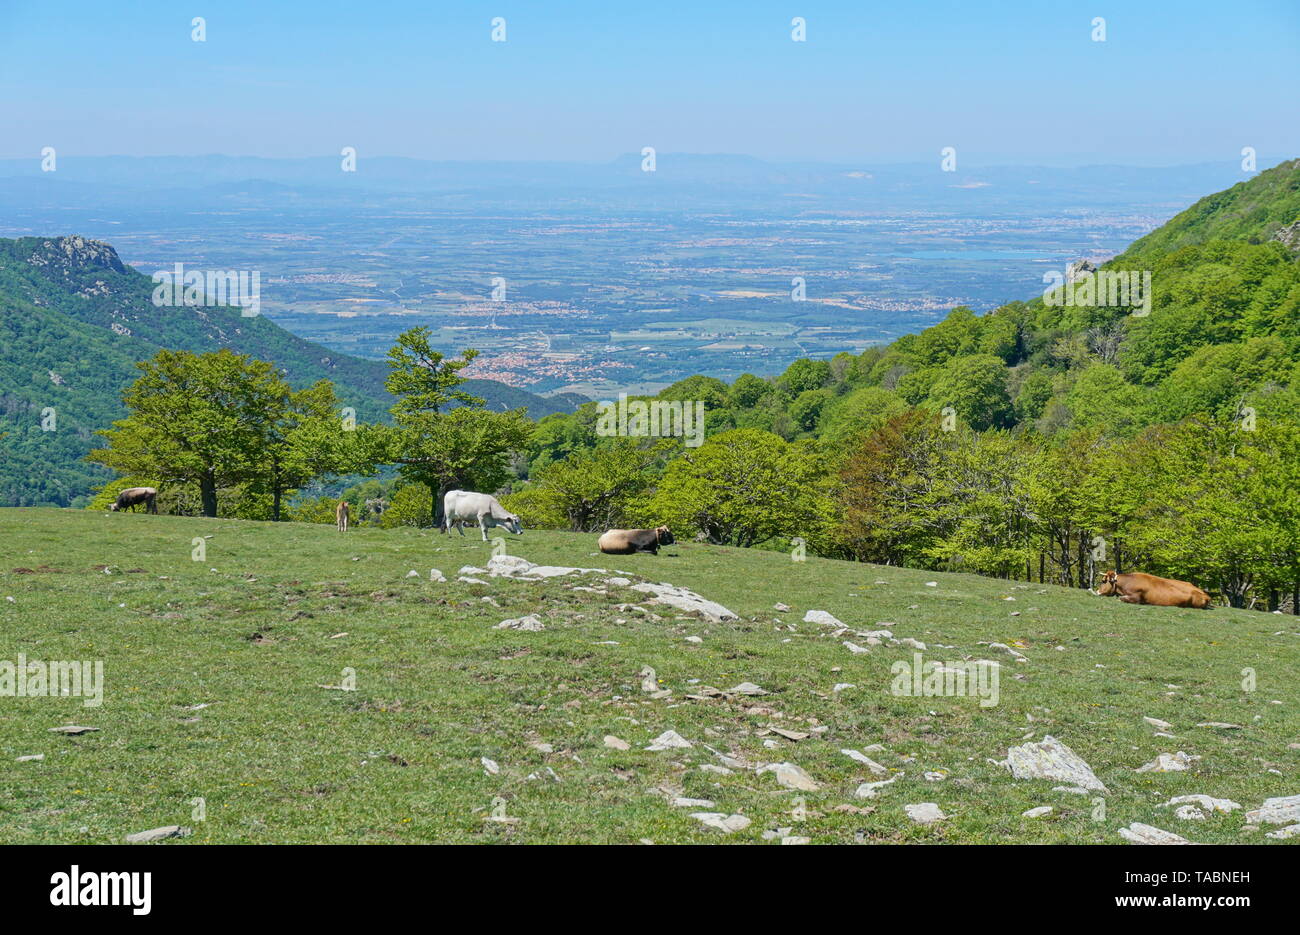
(1013, 653)
(158, 834)
(1051, 759)
(924, 813)
(532, 624)
(669, 740)
(1207, 802)
(790, 776)
(683, 802)
(1276, 811)
(514, 566)
(869, 790)
(854, 809)
(649, 680)
(723, 822)
(1169, 763)
(793, 735)
(866, 761)
(684, 599)
(1138, 833)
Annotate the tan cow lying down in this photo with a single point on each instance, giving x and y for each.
(1137, 588)
(628, 541)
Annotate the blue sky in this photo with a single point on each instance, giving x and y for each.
(1004, 82)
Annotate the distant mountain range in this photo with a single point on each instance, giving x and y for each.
(73, 322)
(157, 181)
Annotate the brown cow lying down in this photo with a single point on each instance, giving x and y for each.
(135, 495)
(1137, 588)
(628, 541)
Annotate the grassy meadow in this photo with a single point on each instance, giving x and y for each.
(264, 627)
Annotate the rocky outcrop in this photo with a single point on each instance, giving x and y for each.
(1053, 760)
(75, 252)
(1289, 236)
(685, 599)
(1077, 270)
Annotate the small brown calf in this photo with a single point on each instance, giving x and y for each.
(341, 515)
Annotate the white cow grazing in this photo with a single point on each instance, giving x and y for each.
(462, 506)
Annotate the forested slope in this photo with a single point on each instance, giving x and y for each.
(73, 322)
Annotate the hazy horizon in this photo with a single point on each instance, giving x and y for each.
(1233, 159)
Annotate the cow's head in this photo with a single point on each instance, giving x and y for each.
(112, 507)
(663, 536)
(1109, 584)
(512, 523)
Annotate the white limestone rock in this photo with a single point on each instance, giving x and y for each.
(1051, 759)
(866, 761)
(158, 834)
(532, 624)
(684, 599)
(790, 776)
(727, 824)
(1138, 833)
(1276, 811)
(669, 740)
(869, 790)
(1207, 802)
(1169, 763)
(924, 813)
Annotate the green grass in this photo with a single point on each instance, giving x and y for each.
(277, 758)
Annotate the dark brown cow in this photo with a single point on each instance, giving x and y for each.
(628, 541)
(1137, 588)
(136, 495)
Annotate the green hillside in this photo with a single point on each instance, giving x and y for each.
(1253, 211)
(1222, 330)
(1148, 421)
(222, 684)
(73, 322)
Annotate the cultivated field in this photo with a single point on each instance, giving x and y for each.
(264, 627)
